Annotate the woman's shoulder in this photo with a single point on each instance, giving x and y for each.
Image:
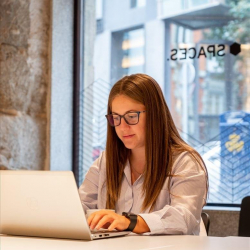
(187, 161)
(99, 164)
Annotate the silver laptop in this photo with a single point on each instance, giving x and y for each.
(44, 204)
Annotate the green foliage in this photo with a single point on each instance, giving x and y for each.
(237, 29)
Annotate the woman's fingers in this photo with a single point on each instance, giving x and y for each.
(113, 225)
(105, 226)
(105, 219)
(95, 219)
(90, 218)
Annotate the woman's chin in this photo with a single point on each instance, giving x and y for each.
(129, 145)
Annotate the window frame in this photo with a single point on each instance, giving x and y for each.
(77, 90)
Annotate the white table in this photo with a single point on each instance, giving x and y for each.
(130, 242)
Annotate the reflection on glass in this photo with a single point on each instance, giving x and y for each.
(202, 79)
(138, 3)
(129, 53)
(167, 8)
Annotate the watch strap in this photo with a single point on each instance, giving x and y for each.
(133, 220)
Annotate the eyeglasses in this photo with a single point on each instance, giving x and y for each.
(131, 118)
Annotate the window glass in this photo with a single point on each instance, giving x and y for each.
(210, 101)
(128, 53)
(199, 52)
(137, 3)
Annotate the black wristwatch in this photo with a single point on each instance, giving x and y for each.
(133, 220)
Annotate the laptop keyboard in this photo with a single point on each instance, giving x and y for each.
(102, 231)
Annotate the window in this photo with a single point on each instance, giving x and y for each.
(128, 53)
(137, 3)
(202, 66)
(99, 16)
(207, 84)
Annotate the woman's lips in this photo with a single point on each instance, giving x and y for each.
(127, 136)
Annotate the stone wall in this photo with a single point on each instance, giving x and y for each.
(24, 83)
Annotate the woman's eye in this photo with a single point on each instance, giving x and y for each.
(132, 116)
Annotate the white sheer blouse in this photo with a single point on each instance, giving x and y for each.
(175, 213)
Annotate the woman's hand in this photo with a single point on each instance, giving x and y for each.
(102, 218)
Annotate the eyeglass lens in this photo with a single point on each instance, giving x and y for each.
(130, 118)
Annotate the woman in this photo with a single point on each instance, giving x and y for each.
(146, 169)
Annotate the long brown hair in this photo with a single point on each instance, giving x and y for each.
(161, 143)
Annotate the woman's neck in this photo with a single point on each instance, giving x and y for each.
(138, 160)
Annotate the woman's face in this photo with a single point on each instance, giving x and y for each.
(133, 136)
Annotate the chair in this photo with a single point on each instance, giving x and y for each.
(244, 222)
(206, 220)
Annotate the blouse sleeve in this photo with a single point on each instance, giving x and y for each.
(88, 191)
(187, 197)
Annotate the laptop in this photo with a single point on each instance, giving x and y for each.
(44, 204)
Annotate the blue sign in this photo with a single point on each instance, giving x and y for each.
(235, 154)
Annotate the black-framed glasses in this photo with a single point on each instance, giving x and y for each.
(131, 118)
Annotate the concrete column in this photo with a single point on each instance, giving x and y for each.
(154, 50)
(61, 105)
